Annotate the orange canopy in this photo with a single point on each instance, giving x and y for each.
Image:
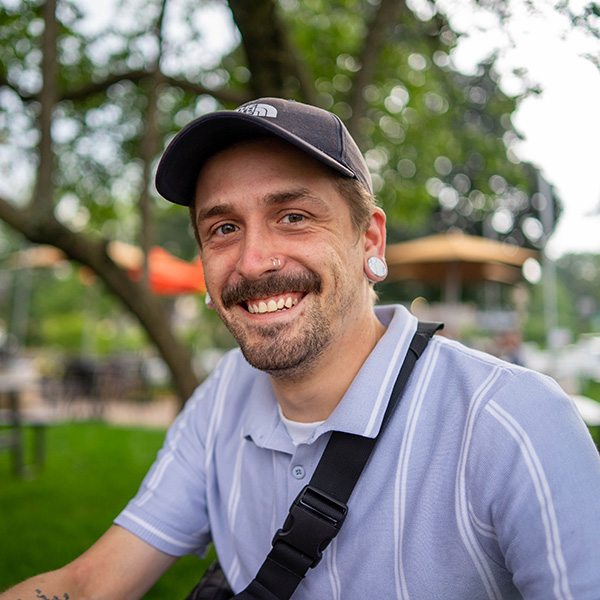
(170, 276)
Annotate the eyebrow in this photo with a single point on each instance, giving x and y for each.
(214, 211)
(270, 200)
(291, 195)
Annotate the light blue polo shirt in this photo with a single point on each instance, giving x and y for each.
(485, 484)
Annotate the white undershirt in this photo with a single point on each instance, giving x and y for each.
(299, 432)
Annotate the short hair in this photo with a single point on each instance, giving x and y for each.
(360, 201)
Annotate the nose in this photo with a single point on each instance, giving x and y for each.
(257, 255)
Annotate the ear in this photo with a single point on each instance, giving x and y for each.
(208, 301)
(374, 244)
(375, 235)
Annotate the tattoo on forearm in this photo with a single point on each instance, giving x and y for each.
(42, 596)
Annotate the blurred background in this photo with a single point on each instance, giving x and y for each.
(478, 122)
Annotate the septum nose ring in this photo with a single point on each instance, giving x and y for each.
(276, 264)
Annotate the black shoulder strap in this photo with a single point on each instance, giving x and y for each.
(318, 512)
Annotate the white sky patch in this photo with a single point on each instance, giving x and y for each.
(560, 126)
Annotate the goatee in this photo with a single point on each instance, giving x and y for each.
(270, 348)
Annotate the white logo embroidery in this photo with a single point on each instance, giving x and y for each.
(258, 110)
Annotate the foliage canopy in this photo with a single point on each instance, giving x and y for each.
(86, 109)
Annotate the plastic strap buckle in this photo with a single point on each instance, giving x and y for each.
(314, 520)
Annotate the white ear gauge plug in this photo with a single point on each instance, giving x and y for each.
(376, 269)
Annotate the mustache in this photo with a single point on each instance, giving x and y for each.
(245, 290)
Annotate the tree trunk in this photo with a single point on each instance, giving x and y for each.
(275, 68)
(42, 198)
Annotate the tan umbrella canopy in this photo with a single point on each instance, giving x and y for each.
(454, 258)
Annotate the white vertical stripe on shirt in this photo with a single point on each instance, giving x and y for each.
(236, 486)
(430, 359)
(167, 459)
(332, 570)
(156, 478)
(274, 524)
(233, 572)
(462, 510)
(542, 491)
(232, 508)
(234, 569)
(217, 412)
(390, 372)
(483, 528)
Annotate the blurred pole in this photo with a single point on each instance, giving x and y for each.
(453, 287)
(491, 289)
(20, 309)
(548, 266)
(89, 322)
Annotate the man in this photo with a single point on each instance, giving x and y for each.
(485, 483)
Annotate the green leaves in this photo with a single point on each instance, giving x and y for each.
(433, 138)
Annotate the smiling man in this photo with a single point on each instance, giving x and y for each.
(485, 482)
(285, 267)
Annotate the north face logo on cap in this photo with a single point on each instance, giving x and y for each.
(258, 110)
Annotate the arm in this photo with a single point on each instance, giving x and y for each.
(118, 566)
(536, 476)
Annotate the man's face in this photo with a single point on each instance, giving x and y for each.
(262, 200)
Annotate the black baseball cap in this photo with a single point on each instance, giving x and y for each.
(317, 132)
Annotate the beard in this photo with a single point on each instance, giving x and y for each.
(271, 348)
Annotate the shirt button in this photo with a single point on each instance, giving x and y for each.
(298, 472)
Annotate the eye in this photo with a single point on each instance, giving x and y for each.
(293, 218)
(226, 229)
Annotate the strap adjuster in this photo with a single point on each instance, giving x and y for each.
(314, 520)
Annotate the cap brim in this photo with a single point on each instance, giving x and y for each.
(182, 161)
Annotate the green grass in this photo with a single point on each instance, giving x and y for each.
(49, 519)
(591, 389)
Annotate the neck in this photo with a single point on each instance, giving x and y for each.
(315, 395)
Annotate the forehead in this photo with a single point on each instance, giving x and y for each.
(260, 166)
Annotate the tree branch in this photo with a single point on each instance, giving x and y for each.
(149, 147)
(225, 96)
(42, 197)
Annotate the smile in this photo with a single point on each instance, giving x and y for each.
(272, 305)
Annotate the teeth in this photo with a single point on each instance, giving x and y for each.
(271, 306)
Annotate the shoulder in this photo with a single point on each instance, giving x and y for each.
(482, 384)
(460, 360)
(507, 407)
(231, 376)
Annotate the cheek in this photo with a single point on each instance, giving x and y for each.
(346, 267)
(214, 275)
